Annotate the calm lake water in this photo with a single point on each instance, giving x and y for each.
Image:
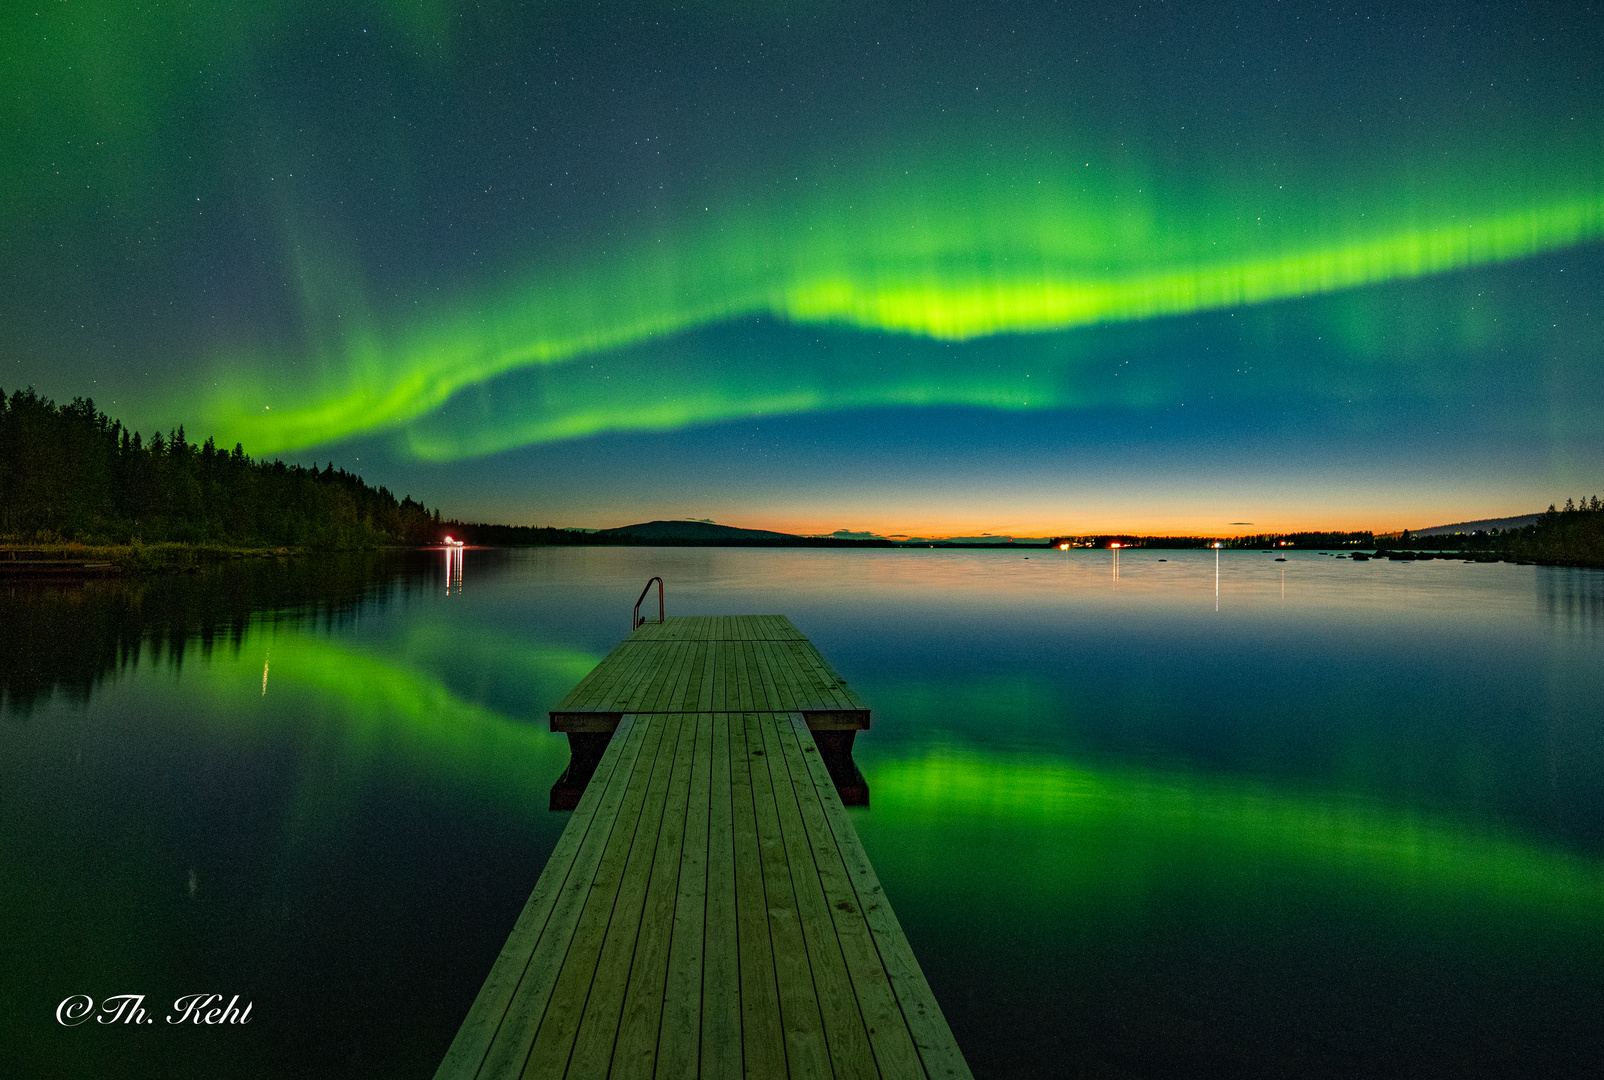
(1302, 818)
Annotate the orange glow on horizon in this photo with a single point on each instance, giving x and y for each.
(944, 528)
(908, 516)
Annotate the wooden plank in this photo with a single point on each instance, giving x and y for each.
(628, 694)
(777, 686)
(656, 694)
(820, 678)
(841, 685)
(740, 691)
(679, 1040)
(721, 701)
(802, 678)
(690, 686)
(585, 686)
(599, 1025)
(684, 661)
(804, 694)
(634, 1057)
(554, 1040)
(595, 812)
(845, 1037)
(776, 628)
(509, 1048)
(626, 665)
(805, 1049)
(762, 1032)
(696, 691)
(620, 668)
(938, 1050)
(584, 693)
(761, 688)
(763, 693)
(617, 670)
(636, 697)
(827, 683)
(645, 692)
(718, 697)
(810, 664)
(894, 1052)
(740, 652)
(800, 693)
(722, 969)
(704, 696)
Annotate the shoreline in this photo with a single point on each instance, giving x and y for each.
(55, 561)
(43, 562)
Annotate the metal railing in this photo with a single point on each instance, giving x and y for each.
(635, 621)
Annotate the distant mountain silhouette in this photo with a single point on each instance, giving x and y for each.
(692, 530)
(1485, 525)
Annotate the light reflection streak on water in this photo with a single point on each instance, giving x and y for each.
(454, 562)
(1573, 599)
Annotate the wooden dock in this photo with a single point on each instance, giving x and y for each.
(725, 663)
(709, 910)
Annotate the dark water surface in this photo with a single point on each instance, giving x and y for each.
(1302, 818)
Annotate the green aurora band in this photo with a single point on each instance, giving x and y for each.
(949, 256)
(1086, 824)
(907, 227)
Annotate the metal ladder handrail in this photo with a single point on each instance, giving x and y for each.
(635, 621)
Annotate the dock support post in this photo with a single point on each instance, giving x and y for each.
(585, 750)
(835, 750)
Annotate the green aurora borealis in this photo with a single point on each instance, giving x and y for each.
(472, 247)
(1021, 261)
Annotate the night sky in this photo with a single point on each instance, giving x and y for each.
(915, 269)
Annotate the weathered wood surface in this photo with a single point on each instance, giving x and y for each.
(690, 663)
(708, 911)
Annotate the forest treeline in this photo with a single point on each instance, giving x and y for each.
(545, 535)
(1333, 540)
(71, 473)
(1573, 535)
